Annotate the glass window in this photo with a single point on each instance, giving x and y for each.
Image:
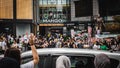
(67, 2)
(44, 2)
(40, 11)
(52, 2)
(83, 8)
(107, 8)
(40, 2)
(59, 7)
(49, 1)
(53, 11)
(45, 16)
(63, 1)
(82, 61)
(59, 1)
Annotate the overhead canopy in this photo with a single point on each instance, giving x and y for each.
(106, 36)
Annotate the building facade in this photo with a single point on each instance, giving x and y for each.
(16, 17)
(59, 16)
(53, 14)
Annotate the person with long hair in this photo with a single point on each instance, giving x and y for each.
(15, 54)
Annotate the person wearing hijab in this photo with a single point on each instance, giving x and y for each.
(102, 61)
(63, 62)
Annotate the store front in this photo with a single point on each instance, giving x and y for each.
(53, 14)
(6, 28)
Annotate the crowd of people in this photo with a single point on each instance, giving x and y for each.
(13, 55)
(15, 46)
(60, 41)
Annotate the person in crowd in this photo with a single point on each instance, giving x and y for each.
(63, 62)
(65, 45)
(51, 44)
(58, 43)
(15, 54)
(80, 45)
(19, 42)
(0, 44)
(86, 46)
(102, 61)
(96, 46)
(8, 63)
(100, 23)
(74, 45)
(103, 47)
(15, 45)
(3, 46)
(25, 42)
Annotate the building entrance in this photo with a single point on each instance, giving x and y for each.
(5, 28)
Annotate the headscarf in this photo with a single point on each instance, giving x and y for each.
(102, 61)
(63, 62)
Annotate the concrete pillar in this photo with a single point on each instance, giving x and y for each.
(64, 30)
(95, 7)
(37, 29)
(72, 10)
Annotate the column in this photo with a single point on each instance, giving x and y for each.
(95, 7)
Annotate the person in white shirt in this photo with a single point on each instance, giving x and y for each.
(3, 44)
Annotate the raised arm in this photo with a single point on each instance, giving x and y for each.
(33, 48)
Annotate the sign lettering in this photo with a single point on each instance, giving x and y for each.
(54, 20)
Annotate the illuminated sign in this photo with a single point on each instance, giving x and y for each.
(54, 20)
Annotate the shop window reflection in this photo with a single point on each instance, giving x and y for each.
(44, 2)
(56, 11)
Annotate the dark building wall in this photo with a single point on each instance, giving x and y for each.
(109, 7)
(83, 8)
(15, 12)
